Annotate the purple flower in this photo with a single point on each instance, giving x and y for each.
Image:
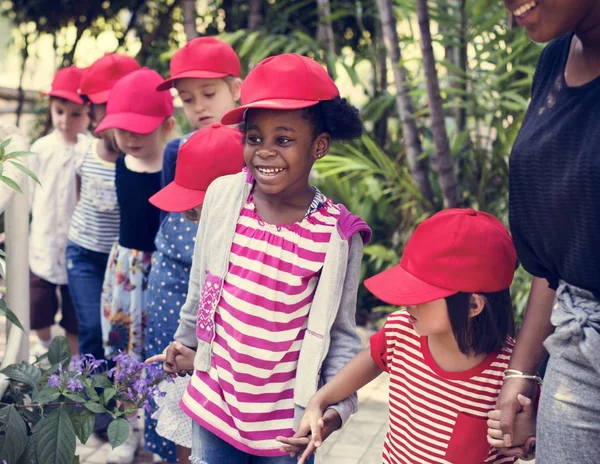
(75, 385)
(54, 381)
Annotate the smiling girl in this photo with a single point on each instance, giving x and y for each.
(272, 297)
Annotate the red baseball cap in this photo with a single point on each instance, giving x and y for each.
(212, 152)
(456, 250)
(65, 84)
(103, 74)
(135, 105)
(203, 58)
(283, 82)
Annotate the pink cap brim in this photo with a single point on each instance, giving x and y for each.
(192, 74)
(237, 115)
(71, 96)
(98, 98)
(176, 199)
(132, 122)
(399, 288)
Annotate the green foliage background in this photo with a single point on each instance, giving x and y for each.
(485, 96)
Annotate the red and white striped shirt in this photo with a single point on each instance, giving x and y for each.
(246, 398)
(436, 417)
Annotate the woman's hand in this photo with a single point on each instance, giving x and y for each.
(523, 429)
(509, 406)
(177, 359)
(314, 428)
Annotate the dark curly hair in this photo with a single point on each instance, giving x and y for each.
(337, 117)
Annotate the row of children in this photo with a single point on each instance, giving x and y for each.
(266, 297)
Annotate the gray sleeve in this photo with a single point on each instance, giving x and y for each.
(186, 332)
(345, 341)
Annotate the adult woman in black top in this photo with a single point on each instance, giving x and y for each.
(555, 221)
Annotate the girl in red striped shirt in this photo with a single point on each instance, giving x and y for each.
(446, 354)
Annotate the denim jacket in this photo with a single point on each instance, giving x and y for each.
(331, 339)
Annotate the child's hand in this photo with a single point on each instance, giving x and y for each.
(524, 427)
(314, 428)
(177, 359)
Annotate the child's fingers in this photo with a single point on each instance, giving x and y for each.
(296, 442)
(308, 452)
(157, 358)
(495, 434)
(315, 431)
(494, 415)
(493, 424)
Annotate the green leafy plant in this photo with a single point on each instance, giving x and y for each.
(53, 402)
(14, 159)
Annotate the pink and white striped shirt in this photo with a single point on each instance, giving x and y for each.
(246, 398)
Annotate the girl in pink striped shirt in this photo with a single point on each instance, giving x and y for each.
(272, 297)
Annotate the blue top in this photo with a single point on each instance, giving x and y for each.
(139, 219)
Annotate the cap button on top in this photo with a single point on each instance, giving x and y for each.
(216, 126)
(470, 212)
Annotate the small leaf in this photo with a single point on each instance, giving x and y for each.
(95, 407)
(55, 438)
(27, 171)
(25, 373)
(75, 397)
(91, 392)
(11, 183)
(83, 423)
(117, 432)
(18, 154)
(46, 395)
(59, 351)
(15, 439)
(5, 143)
(101, 381)
(6, 311)
(109, 394)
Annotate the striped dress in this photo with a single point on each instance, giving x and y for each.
(246, 398)
(95, 221)
(436, 417)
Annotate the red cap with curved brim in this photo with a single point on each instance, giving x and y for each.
(283, 82)
(211, 152)
(135, 105)
(456, 250)
(203, 58)
(103, 74)
(65, 84)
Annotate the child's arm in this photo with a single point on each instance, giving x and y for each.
(345, 342)
(357, 373)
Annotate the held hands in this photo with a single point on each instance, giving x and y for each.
(314, 428)
(523, 428)
(177, 359)
(509, 405)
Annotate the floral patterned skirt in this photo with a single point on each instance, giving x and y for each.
(124, 305)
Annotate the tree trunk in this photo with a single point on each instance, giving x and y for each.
(380, 128)
(443, 155)
(412, 145)
(189, 19)
(21, 92)
(325, 31)
(148, 39)
(255, 15)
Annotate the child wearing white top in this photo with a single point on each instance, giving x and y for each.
(51, 205)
